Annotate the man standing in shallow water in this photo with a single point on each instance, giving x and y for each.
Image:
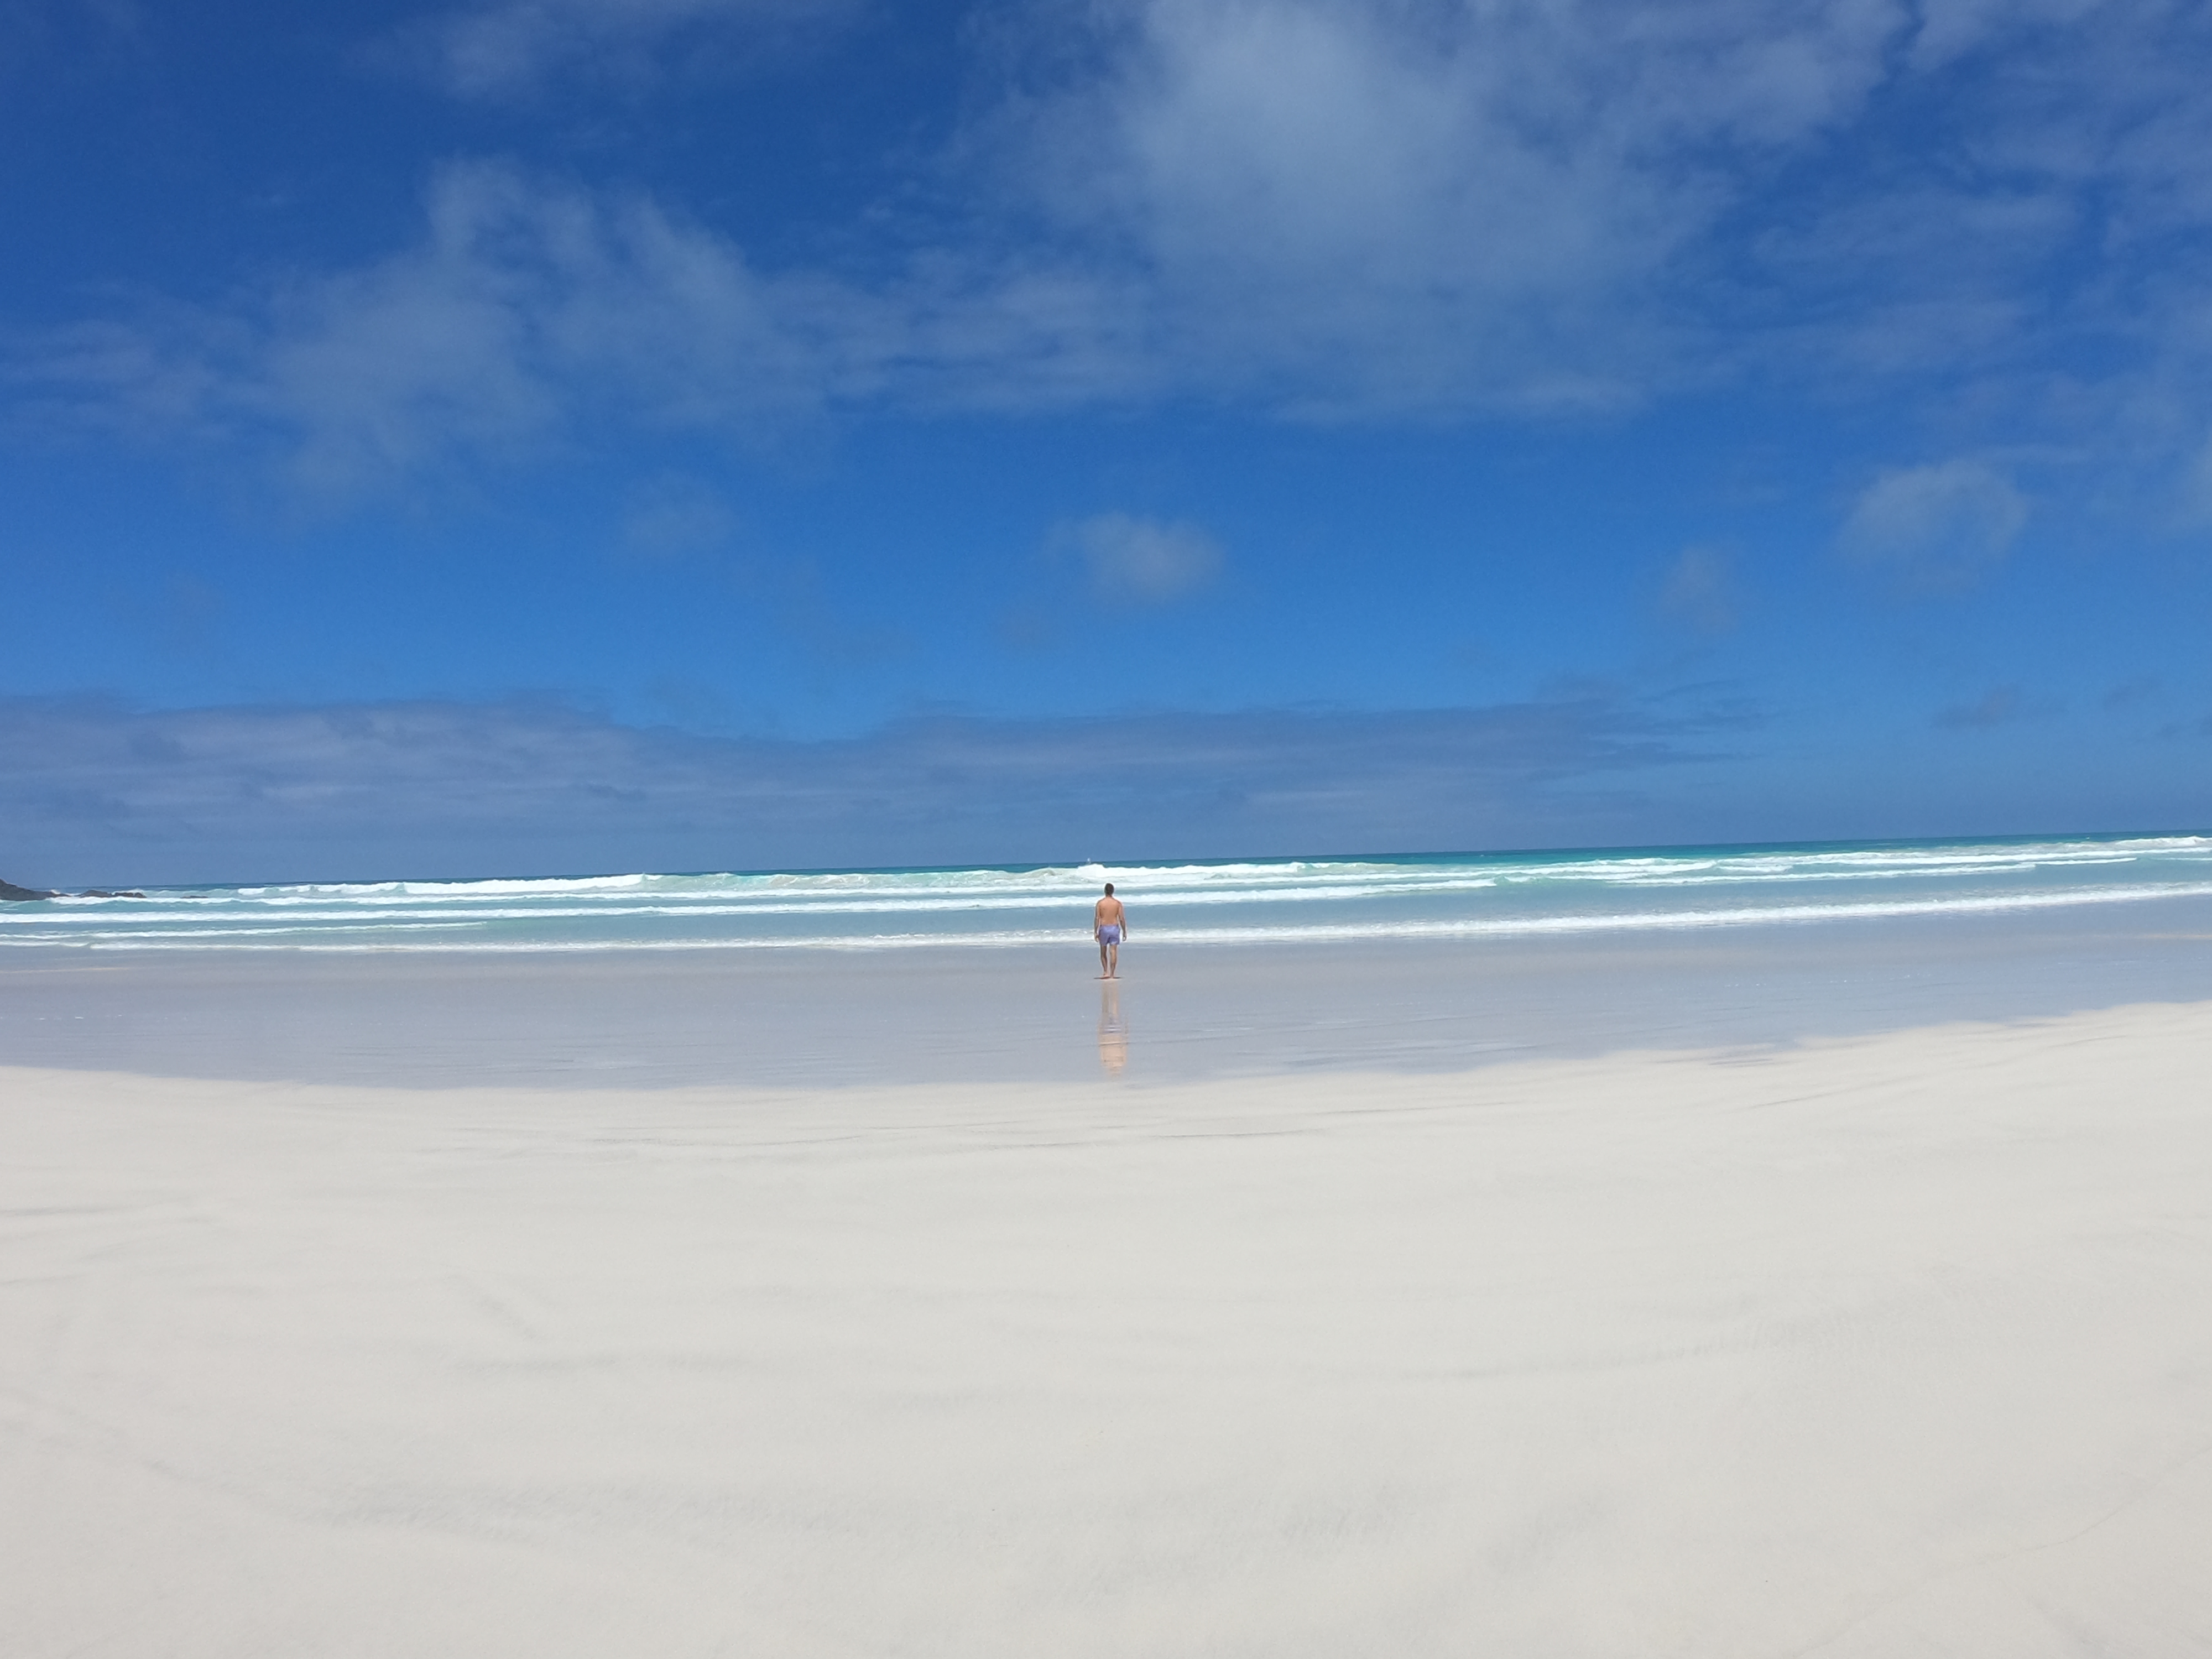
(1111, 928)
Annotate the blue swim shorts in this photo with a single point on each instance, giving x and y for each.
(1110, 933)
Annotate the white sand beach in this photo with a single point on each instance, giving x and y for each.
(1893, 1343)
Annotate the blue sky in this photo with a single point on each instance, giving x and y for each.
(532, 435)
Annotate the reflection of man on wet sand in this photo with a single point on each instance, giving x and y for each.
(1108, 923)
(1113, 1031)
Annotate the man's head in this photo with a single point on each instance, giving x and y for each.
(1109, 889)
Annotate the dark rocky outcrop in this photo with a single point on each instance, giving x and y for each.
(11, 894)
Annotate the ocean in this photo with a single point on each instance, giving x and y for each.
(1173, 906)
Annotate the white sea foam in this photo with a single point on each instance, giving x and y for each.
(1175, 904)
(1733, 864)
(359, 935)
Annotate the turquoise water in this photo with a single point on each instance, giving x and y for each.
(1472, 895)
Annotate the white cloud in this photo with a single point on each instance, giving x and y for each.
(530, 311)
(1316, 208)
(103, 794)
(505, 47)
(1141, 561)
(1937, 527)
(1346, 207)
(2194, 499)
(1950, 28)
(2000, 705)
(1700, 591)
(524, 310)
(671, 516)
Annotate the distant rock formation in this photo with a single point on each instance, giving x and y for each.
(11, 894)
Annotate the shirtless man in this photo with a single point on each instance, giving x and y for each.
(1111, 927)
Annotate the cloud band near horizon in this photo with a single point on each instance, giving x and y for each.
(103, 794)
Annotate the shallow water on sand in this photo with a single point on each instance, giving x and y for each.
(806, 1017)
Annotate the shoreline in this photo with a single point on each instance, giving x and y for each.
(648, 1019)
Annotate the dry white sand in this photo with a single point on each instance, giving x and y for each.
(1897, 1346)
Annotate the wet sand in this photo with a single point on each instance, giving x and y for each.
(810, 1019)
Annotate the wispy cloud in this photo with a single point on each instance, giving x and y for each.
(102, 792)
(1700, 591)
(2144, 688)
(532, 312)
(524, 308)
(2194, 501)
(1346, 207)
(1320, 209)
(674, 516)
(1936, 527)
(32, 30)
(2000, 705)
(1137, 561)
(508, 48)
